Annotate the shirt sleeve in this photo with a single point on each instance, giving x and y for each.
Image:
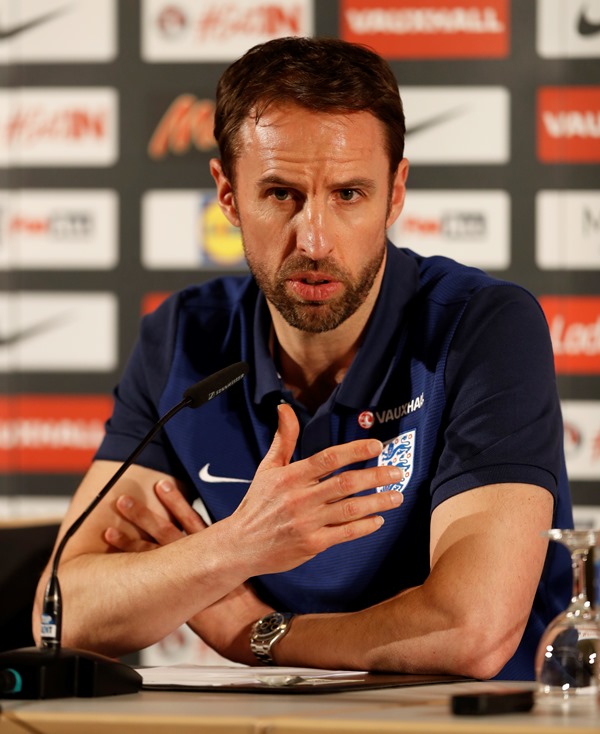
(503, 421)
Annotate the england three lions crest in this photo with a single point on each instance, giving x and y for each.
(399, 451)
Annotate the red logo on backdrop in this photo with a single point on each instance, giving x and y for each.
(568, 124)
(188, 122)
(51, 433)
(223, 20)
(575, 330)
(172, 21)
(573, 438)
(428, 29)
(151, 301)
(72, 124)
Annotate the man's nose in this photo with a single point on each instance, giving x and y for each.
(313, 232)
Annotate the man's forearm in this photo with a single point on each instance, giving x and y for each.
(118, 603)
(226, 624)
(405, 634)
(469, 615)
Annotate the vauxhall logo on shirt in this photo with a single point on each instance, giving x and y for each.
(367, 419)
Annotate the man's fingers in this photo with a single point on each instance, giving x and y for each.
(357, 508)
(174, 501)
(336, 534)
(350, 482)
(284, 442)
(294, 511)
(118, 540)
(331, 459)
(157, 527)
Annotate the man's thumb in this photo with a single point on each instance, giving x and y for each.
(284, 442)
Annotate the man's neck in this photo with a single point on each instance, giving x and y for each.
(311, 372)
(312, 365)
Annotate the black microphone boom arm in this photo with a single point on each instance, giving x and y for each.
(50, 671)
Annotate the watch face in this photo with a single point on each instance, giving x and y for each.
(269, 624)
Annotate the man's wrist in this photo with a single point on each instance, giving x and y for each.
(266, 632)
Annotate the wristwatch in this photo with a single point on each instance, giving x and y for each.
(266, 632)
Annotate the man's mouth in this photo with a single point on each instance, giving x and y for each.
(314, 281)
(314, 286)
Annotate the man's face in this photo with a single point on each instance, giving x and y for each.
(313, 198)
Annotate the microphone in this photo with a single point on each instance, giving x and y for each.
(51, 671)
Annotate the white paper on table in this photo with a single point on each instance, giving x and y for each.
(225, 675)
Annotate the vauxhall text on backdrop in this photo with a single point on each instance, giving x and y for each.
(107, 204)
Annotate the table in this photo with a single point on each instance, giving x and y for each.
(409, 710)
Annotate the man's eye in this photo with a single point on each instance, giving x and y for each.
(347, 194)
(280, 194)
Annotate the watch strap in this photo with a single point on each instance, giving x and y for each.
(266, 632)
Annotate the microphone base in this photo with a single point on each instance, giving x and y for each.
(32, 673)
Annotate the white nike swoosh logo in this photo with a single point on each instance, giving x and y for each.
(206, 476)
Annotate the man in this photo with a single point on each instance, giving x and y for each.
(371, 367)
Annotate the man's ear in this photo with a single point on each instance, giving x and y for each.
(225, 195)
(397, 193)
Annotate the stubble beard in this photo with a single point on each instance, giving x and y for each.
(317, 317)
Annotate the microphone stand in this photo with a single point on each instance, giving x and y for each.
(51, 671)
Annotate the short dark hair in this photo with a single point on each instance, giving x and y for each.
(321, 74)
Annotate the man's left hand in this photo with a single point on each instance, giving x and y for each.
(224, 625)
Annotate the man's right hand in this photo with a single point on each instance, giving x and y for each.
(293, 511)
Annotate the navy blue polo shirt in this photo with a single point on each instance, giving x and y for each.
(454, 375)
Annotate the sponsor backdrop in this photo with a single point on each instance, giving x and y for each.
(107, 205)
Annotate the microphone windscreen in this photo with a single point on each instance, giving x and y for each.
(215, 384)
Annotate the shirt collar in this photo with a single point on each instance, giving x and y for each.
(366, 376)
(266, 378)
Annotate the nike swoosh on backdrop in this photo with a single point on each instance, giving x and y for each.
(19, 336)
(6, 33)
(586, 27)
(434, 121)
(206, 476)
